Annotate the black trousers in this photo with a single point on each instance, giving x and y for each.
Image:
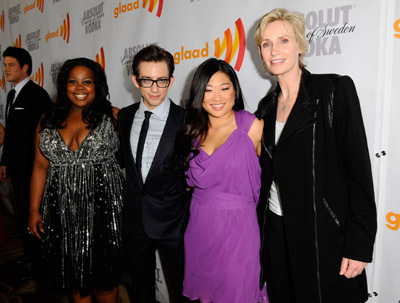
(20, 183)
(142, 265)
(280, 286)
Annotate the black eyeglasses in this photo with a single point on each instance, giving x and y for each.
(161, 83)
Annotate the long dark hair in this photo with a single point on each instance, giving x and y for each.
(196, 118)
(91, 114)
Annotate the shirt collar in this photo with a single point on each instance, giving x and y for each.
(20, 85)
(160, 111)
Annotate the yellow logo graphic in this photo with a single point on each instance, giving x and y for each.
(39, 5)
(3, 83)
(232, 46)
(394, 221)
(2, 21)
(152, 5)
(134, 5)
(190, 54)
(38, 76)
(17, 42)
(64, 31)
(396, 27)
(100, 58)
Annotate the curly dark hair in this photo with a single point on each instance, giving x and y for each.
(196, 118)
(91, 114)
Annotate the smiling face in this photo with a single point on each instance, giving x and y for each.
(153, 96)
(13, 71)
(219, 96)
(279, 49)
(80, 87)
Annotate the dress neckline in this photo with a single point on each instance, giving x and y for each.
(226, 141)
(79, 146)
(222, 145)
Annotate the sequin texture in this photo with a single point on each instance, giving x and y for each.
(81, 209)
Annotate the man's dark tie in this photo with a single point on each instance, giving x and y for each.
(142, 139)
(10, 99)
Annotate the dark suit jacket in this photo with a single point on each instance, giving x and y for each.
(157, 207)
(18, 151)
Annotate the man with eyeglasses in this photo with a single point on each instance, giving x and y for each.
(155, 207)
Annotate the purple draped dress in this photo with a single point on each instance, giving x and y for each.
(222, 240)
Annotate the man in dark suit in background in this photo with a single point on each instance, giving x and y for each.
(26, 103)
(155, 207)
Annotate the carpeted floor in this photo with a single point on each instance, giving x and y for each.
(13, 287)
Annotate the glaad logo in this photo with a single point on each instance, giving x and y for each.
(229, 45)
(2, 21)
(129, 53)
(232, 46)
(17, 42)
(324, 27)
(394, 221)
(38, 76)
(101, 59)
(92, 18)
(396, 27)
(32, 40)
(152, 5)
(3, 83)
(13, 13)
(39, 5)
(64, 31)
(134, 5)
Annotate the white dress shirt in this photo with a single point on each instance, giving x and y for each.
(157, 123)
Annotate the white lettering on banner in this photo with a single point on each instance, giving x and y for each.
(324, 30)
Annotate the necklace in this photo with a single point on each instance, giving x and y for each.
(284, 105)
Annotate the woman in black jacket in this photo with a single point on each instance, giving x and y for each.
(317, 211)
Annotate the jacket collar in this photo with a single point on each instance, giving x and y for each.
(301, 116)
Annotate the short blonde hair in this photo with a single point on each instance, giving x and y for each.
(295, 19)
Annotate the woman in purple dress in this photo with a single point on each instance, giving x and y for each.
(220, 145)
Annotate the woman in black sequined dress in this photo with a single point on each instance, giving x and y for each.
(77, 187)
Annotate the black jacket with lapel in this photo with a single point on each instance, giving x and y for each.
(24, 115)
(322, 171)
(157, 207)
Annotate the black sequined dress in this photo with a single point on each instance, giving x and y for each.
(81, 209)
